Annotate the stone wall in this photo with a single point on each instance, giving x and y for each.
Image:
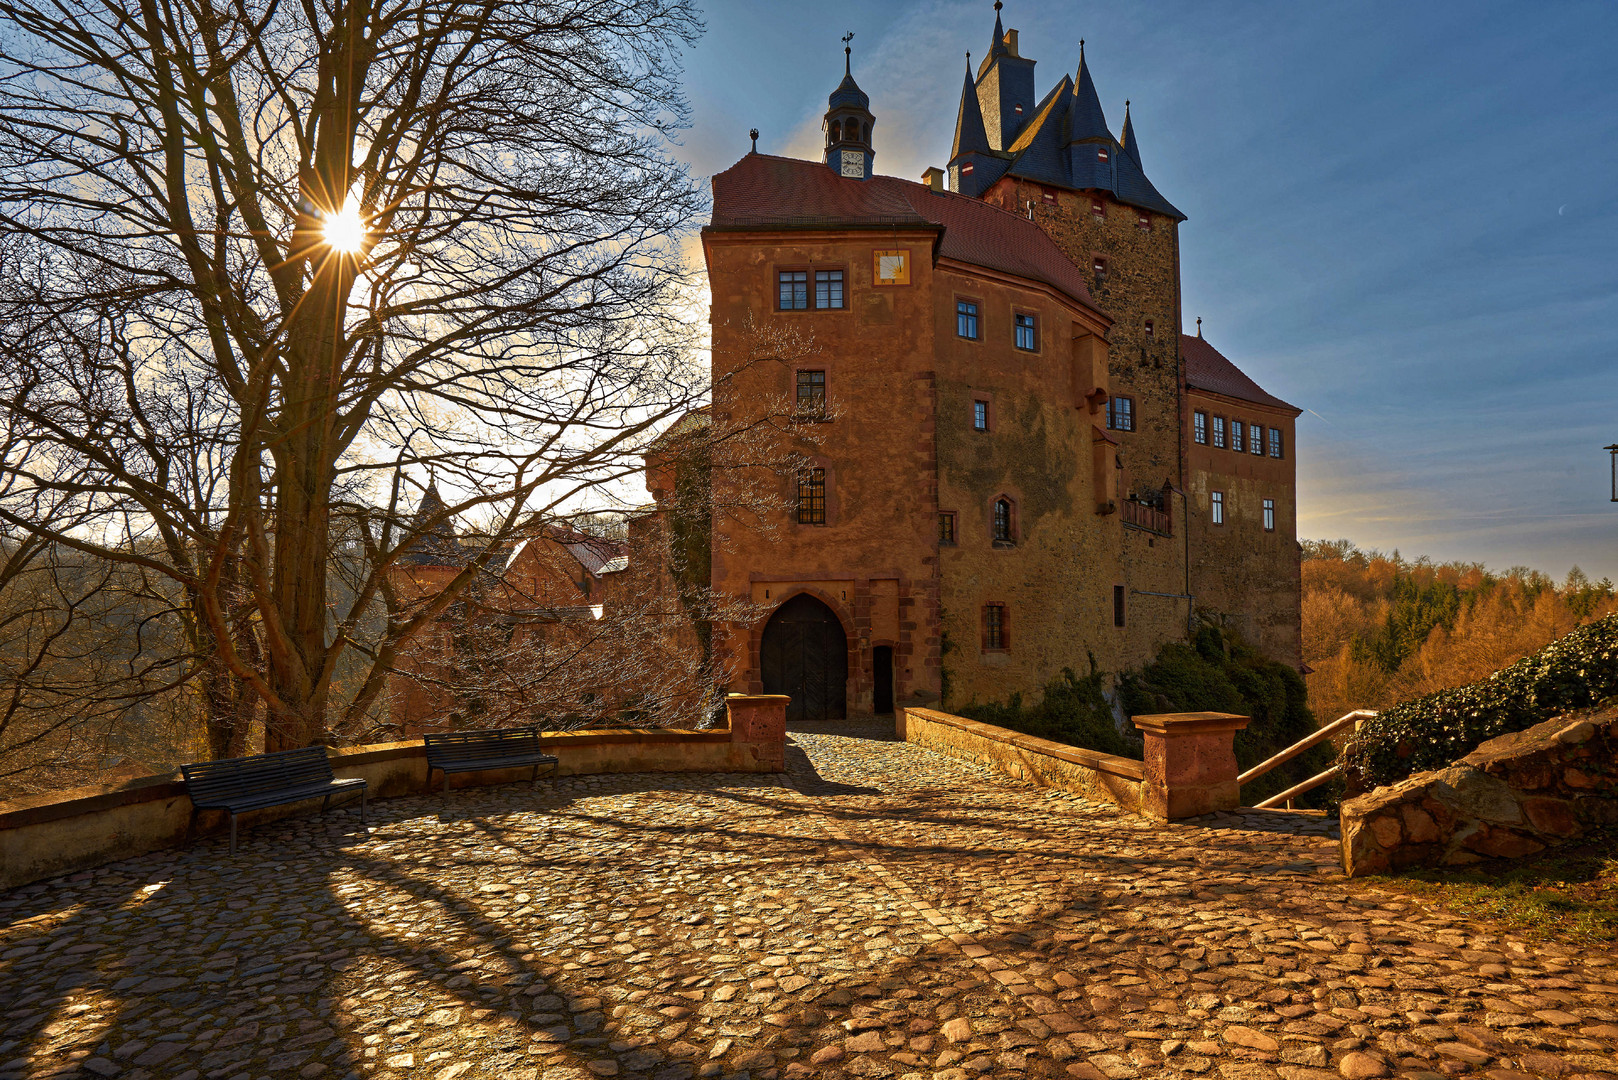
(43, 836)
(1513, 796)
(1102, 777)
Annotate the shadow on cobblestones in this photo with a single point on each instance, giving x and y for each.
(879, 912)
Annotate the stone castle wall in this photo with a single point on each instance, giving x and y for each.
(1140, 286)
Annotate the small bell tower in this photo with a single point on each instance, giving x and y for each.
(848, 123)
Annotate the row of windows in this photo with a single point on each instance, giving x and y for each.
(1216, 510)
(996, 622)
(1242, 438)
(969, 325)
(792, 290)
(1002, 524)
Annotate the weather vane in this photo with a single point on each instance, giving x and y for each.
(846, 39)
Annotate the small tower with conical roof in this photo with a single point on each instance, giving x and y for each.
(848, 123)
(970, 160)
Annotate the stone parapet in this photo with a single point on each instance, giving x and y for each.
(1041, 762)
(1513, 796)
(1190, 761)
(42, 836)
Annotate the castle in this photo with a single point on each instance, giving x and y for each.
(1014, 459)
(1020, 459)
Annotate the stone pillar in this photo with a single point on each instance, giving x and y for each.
(1190, 763)
(758, 722)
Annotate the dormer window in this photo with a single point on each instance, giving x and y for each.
(966, 170)
(1101, 154)
(1017, 110)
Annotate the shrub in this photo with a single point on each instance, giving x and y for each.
(1429, 732)
(1072, 710)
(1219, 673)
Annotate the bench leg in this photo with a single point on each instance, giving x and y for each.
(233, 832)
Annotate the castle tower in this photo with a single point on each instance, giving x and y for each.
(848, 124)
(1005, 87)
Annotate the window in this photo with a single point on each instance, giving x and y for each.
(946, 529)
(1255, 439)
(828, 289)
(1219, 432)
(1117, 605)
(1099, 265)
(1101, 154)
(811, 496)
(1269, 515)
(1098, 208)
(966, 170)
(1144, 220)
(994, 627)
(1275, 442)
(794, 290)
(1121, 413)
(1236, 442)
(980, 415)
(966, 319)
(1216, 509)
(1002, 521)
(1149, 328)
(812, 393)
(1199, 425)
(1027, 327)
(1048, 196)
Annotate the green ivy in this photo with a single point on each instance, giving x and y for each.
(1073, 711)
(1430, 732)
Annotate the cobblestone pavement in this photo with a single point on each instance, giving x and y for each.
(884, 912)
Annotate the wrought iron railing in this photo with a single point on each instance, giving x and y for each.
(1309, 742)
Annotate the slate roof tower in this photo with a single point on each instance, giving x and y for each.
(848, 124)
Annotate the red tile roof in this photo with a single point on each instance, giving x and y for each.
(1207, 369)
(765, 192)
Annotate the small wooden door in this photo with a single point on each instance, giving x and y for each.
(804, 654)
(882, 680)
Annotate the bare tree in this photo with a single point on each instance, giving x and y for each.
(268, 264)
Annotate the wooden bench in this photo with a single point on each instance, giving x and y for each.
(252, 783)
(475, 751)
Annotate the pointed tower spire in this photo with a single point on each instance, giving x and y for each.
(997, 47)
(1129, 137)
(1087, 121)
(970, 137)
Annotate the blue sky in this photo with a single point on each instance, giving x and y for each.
(1402, 218)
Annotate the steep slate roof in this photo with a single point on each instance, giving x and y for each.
(1207, 369)
(970, 135)
(765, 192)
(1047, 149)
(438, 545)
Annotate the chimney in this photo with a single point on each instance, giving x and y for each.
(933, 177)
(1011, 41)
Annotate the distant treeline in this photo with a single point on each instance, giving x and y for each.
(1378, 629)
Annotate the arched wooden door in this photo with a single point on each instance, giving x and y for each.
(805, 654)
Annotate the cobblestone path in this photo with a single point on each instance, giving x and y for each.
(882, 912)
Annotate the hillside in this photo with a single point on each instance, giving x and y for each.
(1378, 629)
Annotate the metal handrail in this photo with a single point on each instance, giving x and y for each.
(1298, 789)
(1308, 742)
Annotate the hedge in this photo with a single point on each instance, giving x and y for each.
(1430, 732)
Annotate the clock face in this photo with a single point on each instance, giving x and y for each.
(853, 163)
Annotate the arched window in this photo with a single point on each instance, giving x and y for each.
(836, 131)
(1002, 521)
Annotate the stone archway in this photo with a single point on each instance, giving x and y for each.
(804, 654)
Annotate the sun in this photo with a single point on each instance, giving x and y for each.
(345, 230)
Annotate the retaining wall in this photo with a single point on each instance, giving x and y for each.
(43, 836)
(1513, 796)
(1041, 762)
